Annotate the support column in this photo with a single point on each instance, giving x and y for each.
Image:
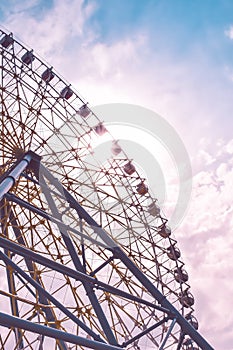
(78, 265)
(14, 173)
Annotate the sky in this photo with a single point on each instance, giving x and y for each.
(175, 58)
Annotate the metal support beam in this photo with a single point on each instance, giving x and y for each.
(180, 342)
(26, 286)
(42, 298)
(78, 265)
(11, 321)
(83, 247)
(14, 173)
(146, 331)
(186, 327)
(168, 333)
(14, 307)
(82, 213)
(42, 213)
(110, 244)
(11, 282)
(25, 252)
(48, 296)
(93, 273)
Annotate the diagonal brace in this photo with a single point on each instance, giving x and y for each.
(37, 286)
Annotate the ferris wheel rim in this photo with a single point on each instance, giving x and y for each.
(28, 72)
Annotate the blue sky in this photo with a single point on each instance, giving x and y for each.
(174, 26)
(174, 57)
(182, 32)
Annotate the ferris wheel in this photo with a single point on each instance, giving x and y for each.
(87, 261)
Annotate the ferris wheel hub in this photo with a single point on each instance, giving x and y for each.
(17, 152)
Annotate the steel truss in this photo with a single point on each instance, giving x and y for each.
(28, 264)
(87, 257)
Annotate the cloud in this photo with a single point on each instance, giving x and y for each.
(229, 32)
(206, 241)
(51, 33)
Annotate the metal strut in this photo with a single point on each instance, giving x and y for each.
(15, 172)
(79, 276)
(11, 284)
(42, 298)
(78, 265)
(88, 281)
(12, 321)
(47, 295)
(186, 327)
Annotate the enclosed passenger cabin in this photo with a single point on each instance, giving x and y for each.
(142, 189)
(100, 129)
(153, 209)
(116, 148)
(192, 347)
(84, 111)
(181, 275)
(129, 168)
(47, 75)
(28, 57)
(189, 345)
(7, 40)
(192, 320)
(186, 298)
(173, 252)
(66, 93)
(164, 231)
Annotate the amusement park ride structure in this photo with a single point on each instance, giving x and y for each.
(87, 261)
